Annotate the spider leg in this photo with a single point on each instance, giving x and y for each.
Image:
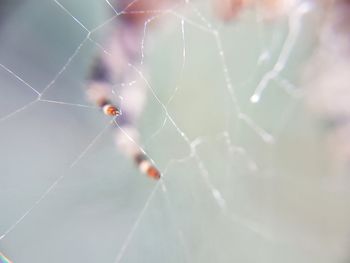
(112, 67)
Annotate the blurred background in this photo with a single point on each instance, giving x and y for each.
(227, 194)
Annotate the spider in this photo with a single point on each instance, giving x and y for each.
(123, 44)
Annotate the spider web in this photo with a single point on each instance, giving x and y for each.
(243, 164)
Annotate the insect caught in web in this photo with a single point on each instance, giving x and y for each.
(124, 51)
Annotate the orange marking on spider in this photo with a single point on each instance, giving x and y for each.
(153, 173)
(147, 167)
(110, 110)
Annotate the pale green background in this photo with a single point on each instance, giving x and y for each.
(293, 208)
